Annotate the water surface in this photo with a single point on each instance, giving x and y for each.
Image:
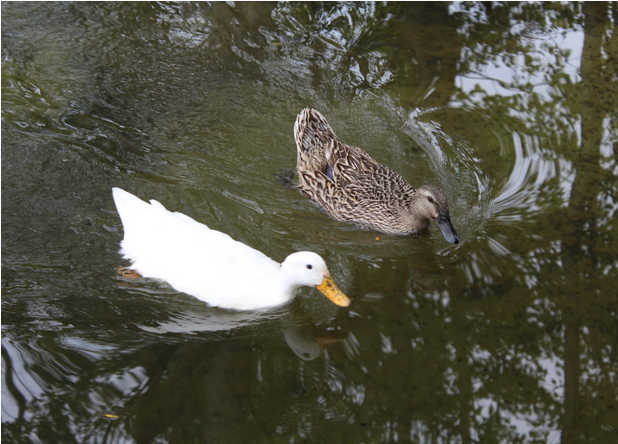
(509, 336)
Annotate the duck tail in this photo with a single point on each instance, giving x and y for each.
(310, 123)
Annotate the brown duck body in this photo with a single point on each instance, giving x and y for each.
(352, 187)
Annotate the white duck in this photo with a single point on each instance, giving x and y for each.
(210, 265)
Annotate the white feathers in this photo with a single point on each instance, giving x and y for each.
(206, 263)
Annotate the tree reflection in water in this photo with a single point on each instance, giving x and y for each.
(510, 336)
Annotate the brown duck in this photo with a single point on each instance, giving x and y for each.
(352, 187)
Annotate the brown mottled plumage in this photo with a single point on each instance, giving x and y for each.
(352, 187)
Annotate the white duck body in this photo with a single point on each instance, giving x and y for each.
(210, 265)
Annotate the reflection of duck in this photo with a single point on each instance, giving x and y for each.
(209, 264)
(308, 344)
(307, 341)
(209, 321)
(351, 186)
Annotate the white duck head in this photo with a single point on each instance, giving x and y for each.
(308, 268)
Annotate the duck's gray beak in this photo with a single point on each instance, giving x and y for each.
(447, 228)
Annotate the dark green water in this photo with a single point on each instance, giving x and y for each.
(510, 336)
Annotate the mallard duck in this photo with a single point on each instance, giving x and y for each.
(352, 187)
(210, 265)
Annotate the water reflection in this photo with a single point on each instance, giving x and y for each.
(507, 336)
(225, 382)
(533, 171)
(308, 342)
(306, 339)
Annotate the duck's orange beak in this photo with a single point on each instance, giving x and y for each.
(332, 292)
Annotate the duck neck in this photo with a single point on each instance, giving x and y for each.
(413, 215)
(287, 287)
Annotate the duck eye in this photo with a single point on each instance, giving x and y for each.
(309, 266)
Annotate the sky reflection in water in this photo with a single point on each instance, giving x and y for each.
(508, 336)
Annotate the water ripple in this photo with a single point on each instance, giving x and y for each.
(533, 31)
(330, 389)
(533, 171)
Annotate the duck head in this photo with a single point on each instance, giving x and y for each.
(306, 268)
(430, 202)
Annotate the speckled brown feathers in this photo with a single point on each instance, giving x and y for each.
(351, 186)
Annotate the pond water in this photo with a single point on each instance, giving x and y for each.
(509, 336)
